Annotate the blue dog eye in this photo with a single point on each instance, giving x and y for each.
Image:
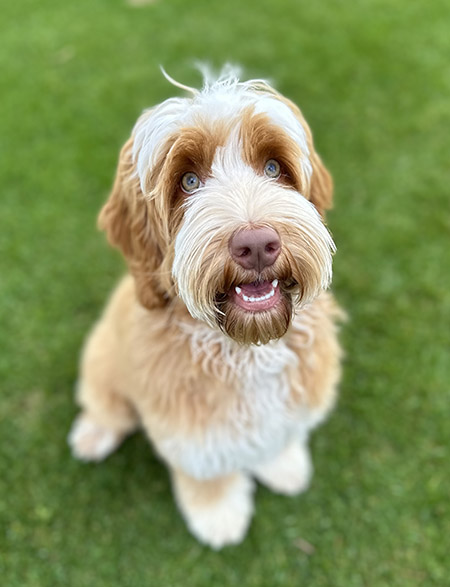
(190, 182)
(272, 169)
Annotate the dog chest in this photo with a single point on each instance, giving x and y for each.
(256, 421)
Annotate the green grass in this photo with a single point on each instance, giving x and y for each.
(373, 79)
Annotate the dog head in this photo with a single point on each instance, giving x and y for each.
(219, 199)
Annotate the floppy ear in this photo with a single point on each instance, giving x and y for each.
(321, 184)
(126, 221)
(124, 216)
(321, 188)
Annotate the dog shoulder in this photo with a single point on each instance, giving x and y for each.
(313, 338)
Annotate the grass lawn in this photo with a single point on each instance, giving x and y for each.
(373, 79)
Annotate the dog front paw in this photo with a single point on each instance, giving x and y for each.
(217, 513)
(290, 473)
(90, 442)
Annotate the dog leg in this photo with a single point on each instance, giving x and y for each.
(217, 511)
(101, 426)
(290, 472)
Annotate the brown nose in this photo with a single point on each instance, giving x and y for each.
(255, 248)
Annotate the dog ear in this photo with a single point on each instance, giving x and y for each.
(321, 184)
(321, 188)
(124, 215)
(125, 219)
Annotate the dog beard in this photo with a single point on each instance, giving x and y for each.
(247, 327)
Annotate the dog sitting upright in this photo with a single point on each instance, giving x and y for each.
(221, 342)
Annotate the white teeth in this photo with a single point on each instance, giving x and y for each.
(253, 299)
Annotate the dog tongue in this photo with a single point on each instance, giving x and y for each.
(256, 289)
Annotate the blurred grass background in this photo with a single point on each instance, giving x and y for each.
(373, 80)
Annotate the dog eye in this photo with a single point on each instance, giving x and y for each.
(272, 169)
(190, 182)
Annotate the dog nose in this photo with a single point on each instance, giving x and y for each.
(255, 248)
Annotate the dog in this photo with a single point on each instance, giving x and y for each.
(221, 342)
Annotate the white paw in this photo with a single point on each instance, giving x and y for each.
(226, 521)
(91, 442)
(290, 473)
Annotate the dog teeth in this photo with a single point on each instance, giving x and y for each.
(253, 299)
(260, 299)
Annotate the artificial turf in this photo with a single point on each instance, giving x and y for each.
(373, 80)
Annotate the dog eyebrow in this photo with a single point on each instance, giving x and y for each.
(195, 147)
(263, 140)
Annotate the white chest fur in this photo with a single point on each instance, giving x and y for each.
(259, 420)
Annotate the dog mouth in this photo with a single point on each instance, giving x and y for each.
(258, 296)
(256, 312)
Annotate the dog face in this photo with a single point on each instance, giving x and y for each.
(219, 200)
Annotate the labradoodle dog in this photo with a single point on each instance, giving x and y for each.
(221, 341)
